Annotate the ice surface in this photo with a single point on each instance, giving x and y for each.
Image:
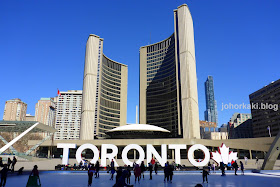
(79, 179)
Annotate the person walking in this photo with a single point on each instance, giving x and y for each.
(153, 161)
(13, 164)
(4, 174)
(143, 168)
(204, 175)
(97, 168)
(9, 163)
(242, 167)
(91, 171)
(257, 160)
(235, 166)
(137, 173)
(151, 170)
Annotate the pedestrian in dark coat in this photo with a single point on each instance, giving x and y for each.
(4, 174)
(242, 167)
(222, 166)
(91, 171)
(97, 168)
(13, 164)
(156, 168)
(166, 172)
(151, 170)
(128, 174)
(119, 174)
(9, 163)
(204, 175)
(170, 173)
(235, 166)
(143, 168)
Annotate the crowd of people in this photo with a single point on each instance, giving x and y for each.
(123, 174)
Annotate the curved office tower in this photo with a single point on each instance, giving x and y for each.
(168, 83)
(104, 92)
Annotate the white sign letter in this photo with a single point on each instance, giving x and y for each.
(206, 159)
(129, 147)
(177, 148)
(161, 159)
(87, 146)
(66, 147)
(105, 155)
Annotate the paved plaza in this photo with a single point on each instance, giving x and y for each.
(79, 179)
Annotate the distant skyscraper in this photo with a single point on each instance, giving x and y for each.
(210, 113)
(104, 92)
(168, 83)
(15, 110)
(45, 111)
(68, 115)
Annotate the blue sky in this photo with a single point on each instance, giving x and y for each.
(42, 45)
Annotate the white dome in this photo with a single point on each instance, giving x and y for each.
(138, 127)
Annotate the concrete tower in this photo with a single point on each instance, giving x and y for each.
(168, 82)
(104, 92)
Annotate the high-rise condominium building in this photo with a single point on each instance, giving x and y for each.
(104, 92)
(265, 110)
(45, 111)
(238, 118)
(168, 83)
(15, 110)
(210, 113)
(68, 115)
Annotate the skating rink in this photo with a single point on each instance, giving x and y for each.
(76, 179)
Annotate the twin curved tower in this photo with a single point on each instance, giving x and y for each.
(168, 85)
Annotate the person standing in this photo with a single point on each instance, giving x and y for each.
(143, 168)
(156, 168)
(112, 169)
(246, 160)
(137, 173)
(151, 170)
(209, 167)
(222, 166)
(204, 175)
(257, 160)
(119, 174)
(97, 168)
(4, 174)
(13, 164)
(166, 172)
(91, 171)
(235, 166)
(170, 173)
(213, 167)
(1, 162)
(128, 174)
(153, 161)
(242, 167)
(9, 163)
